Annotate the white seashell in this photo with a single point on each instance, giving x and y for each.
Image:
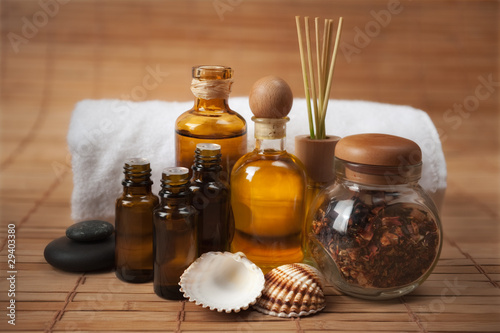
(292, 290)
(222, 281)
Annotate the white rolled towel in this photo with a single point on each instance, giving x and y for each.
(104, 133)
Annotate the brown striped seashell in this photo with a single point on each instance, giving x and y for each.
(292, 290)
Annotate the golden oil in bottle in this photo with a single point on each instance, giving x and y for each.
(268, 188)
(211, 120)
(134, 223)
(175, 233)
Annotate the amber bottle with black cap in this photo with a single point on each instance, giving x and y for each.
(375, 233)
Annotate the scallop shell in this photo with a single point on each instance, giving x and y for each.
(222, 281)
(292, 290)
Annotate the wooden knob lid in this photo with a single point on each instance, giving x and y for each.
(379, 150)
(271, 97)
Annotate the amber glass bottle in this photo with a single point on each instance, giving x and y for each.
(267, 195)
(211, 199)
(211, 119)
(175, 238)
(134, 223)
(268, 185)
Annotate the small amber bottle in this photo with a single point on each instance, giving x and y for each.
(175, 238)
(211, 199)
(211, 119)
(268, 185)
(134, 223)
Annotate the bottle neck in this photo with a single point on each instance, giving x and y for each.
(206, 167)
(219, 105)
(175, 195)
(137, 190)
(270, 145)
(270, 134)
(206, 175)
(137, 177)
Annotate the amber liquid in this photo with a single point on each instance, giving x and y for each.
(175, 250)
(267, 197)
(232, 149)
(134, 238)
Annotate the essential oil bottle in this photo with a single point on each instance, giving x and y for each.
(134, 223)
(268, 184)
(175, 233)
(211, 199)
(211, 119)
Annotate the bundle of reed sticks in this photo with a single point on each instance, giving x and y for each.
(318, 86)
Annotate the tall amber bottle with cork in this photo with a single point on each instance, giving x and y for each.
(268, 184)
(211, 119)
(134, 223)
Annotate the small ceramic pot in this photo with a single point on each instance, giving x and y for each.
(317, 156)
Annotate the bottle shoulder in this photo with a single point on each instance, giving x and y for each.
(200, 185)
(270, 159)
(225, 123)
(164, 209)
(272, 166)
(127, 200)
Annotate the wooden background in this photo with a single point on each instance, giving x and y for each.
(433, 55)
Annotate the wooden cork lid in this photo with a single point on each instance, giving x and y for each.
(379, 150)
(270, 100)
(270, 97)
(379, 159)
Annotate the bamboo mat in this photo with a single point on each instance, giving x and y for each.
(428, 54)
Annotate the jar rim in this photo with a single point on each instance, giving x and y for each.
(377, 174)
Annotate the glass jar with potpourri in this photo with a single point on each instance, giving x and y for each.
(375, 233)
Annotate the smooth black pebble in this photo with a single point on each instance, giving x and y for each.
(71, 256)
(90, 231)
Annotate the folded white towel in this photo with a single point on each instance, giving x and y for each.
(103, 133)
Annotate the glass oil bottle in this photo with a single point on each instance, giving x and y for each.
(211, 119)
(134, 223)
(211, 199)
(268, 186)
(175, 228)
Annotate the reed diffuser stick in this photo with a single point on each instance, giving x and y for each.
(329, 82)
(311, 74)
(325, 66)
(304, 77)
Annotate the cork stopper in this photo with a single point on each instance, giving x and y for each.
(270, 100)
(379, 159)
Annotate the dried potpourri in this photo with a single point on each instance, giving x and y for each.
(380, 245)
